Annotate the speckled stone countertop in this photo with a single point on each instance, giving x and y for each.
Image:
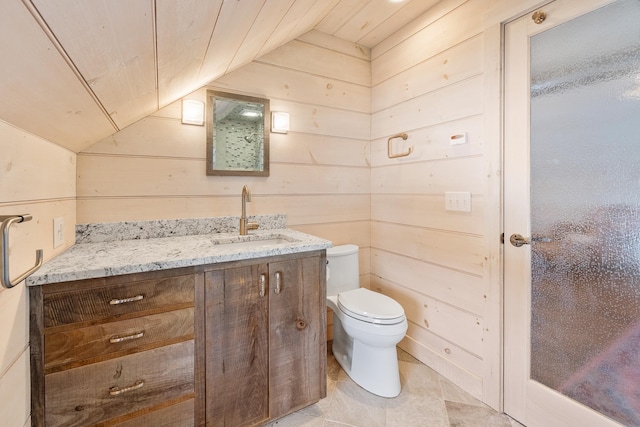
(135, 247)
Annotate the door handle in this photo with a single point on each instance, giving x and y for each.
(263, 284)
(518, 240)
(278, 283)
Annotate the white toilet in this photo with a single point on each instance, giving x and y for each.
(366, 325)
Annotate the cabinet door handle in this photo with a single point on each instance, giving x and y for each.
(116, 339)
(263, 284)
(115, 391)
(278, 282)
(117, 301)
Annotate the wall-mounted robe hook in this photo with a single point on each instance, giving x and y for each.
(5, 278)
(391, 155)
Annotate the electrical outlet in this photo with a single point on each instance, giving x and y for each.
(58, 232)
(457, 201)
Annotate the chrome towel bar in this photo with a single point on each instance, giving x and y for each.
(5, 279)
(402, 135)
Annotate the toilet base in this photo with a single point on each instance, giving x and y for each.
(373, 368)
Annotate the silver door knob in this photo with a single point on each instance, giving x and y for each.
(518, 240)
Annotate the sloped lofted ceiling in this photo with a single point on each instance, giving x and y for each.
(76, 71)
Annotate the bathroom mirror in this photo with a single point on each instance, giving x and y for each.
(237, 135)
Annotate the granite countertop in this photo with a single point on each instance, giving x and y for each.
(102, 256)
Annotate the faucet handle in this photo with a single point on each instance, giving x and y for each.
(246, 193)
(252, 225)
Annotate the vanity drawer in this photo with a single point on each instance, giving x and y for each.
(120, 386)
(95, 304)
(66, 349)
(179, 415)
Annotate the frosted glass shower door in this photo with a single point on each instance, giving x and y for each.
(572, 215)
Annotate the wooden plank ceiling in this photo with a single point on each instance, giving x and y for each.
(76, 71)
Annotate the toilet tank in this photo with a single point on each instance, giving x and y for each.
(343, 272)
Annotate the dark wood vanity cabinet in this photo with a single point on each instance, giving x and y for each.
(116, 351)
(231, 344)
(265, 339)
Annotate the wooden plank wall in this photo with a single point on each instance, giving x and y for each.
(320, 176)
(332, 178)
(437, 76)
(37, 177)
(428, 80)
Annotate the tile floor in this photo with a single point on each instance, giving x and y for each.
(427, 399)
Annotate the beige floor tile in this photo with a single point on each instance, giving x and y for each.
(334, 371)
(453, 393)
(298, 420)
(319, 409)
(335, 424)
(426, 400)
(353, 405)
(419, 379)
(463, 415)
(416, 410)
(406, 357)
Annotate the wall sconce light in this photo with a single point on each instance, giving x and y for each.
(279, 122)
(192, 112)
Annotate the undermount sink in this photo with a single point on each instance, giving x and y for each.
(253, 241)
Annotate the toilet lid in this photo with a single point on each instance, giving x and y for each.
(370, 306)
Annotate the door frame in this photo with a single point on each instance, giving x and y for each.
(494, 20)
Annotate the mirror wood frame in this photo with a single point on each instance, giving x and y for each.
(210, 125)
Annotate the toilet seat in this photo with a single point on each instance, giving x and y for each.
(371, 307)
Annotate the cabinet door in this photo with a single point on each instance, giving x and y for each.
(297, 337)
(237, 348)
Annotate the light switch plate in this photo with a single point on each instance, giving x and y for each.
(58, 232)
(457, 201)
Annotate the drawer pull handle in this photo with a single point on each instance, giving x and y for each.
(263, 284)
(114, 391)
(278, 282)
(114, 340)
(125, 300)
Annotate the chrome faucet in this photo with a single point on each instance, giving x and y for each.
(245, 225)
